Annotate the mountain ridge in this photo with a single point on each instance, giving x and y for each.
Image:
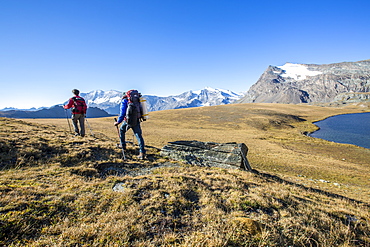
(330, 84)
(105, 103)
(55, 111)
(312, 83)
(110, 100)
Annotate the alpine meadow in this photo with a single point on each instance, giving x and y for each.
(61, 190)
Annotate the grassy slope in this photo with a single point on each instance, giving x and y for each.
(53, 192)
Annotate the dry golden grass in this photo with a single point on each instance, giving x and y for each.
(55, 190)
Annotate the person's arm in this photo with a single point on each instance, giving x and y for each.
(69, 105)
(122, 112)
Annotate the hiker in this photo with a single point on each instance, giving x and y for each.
(131, 114)
(79, 108)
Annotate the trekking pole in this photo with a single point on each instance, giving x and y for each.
(133, 138)
(92, 134)
(119, 136)
(69, 125)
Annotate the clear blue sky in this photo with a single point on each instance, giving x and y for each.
(166, 47)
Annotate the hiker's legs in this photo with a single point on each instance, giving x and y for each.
(139, 137)
(122, 133)
(74, 121)
(82, 124)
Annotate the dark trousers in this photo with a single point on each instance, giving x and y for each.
(138, 133)
(79, 119)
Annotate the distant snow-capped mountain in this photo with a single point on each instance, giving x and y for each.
(110, 100)
(17, 109)
(56, 111)
(105, 100)
(205, 97)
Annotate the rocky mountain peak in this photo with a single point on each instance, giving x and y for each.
(306, 83)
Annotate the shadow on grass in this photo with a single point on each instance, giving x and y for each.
(35, 216)
(15, 154)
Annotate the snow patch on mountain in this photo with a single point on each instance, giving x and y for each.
(298, 72)
(100, 96)
(17, 109)
(110, 100)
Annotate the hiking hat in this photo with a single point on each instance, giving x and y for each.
(75, 91)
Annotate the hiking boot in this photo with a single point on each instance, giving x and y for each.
(141, 156)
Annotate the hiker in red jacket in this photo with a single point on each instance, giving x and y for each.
(79, 108)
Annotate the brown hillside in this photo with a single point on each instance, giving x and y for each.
(56, 189)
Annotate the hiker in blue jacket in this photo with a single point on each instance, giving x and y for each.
(126, 123)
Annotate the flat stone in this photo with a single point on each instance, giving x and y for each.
(225, 155)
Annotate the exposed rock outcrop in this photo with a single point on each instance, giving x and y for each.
(225, 155)
(352, 97)
(306, 83)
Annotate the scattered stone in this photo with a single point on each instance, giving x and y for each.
(207, 154)
(324, 181)
(351, 218)
(149, 170)
(118, 187)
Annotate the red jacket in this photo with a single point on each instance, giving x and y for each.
(77, 104)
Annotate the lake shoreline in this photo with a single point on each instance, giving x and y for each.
(349, 128)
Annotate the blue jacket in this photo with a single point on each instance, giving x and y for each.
(122, 112)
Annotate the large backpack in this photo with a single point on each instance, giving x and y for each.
(79, 105)
(134, 109)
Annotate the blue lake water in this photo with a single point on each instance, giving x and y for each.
(346, 128)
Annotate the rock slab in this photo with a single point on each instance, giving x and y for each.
(225, 155)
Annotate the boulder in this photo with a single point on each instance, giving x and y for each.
(225, 155)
